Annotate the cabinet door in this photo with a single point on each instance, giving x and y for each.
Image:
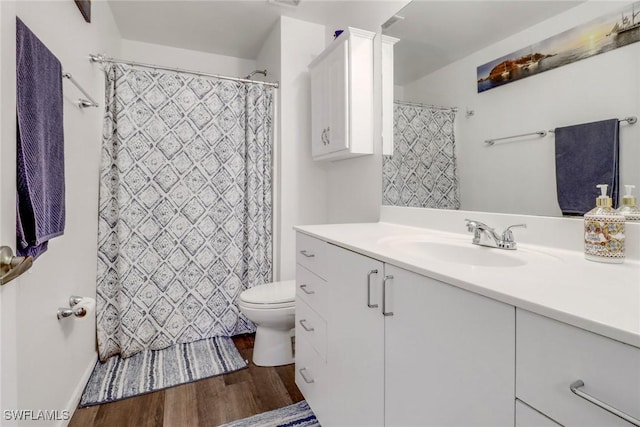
(338, 99)
(526, 416)
(449, 355)
(355, 357)
(319, 118)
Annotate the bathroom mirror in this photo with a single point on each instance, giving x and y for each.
(441, 44)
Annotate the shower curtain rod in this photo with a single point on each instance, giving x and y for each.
(102, 59)
(417, 104)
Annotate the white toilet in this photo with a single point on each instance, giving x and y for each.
(272, 308)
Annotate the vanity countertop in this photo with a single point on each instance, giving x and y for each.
(560, 284)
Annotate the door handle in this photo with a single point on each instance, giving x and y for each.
(304, 289)
(575, 388)
(384, 296)
(12, 266)
(369, 274)
(304, 325)
(306, 254)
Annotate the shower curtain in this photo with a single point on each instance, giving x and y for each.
(422, 170)
(185, 207)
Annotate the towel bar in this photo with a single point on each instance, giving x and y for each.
(82, 103)
(542, 133)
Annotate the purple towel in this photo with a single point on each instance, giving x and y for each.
(586, 155)
(40, 156)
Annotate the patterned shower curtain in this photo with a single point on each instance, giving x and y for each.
(422, 170)
(185, 207)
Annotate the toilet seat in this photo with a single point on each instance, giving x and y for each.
(270, 295)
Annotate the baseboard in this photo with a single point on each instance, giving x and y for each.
(72, 405)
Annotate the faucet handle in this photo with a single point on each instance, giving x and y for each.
(507, 234)
(471, 224)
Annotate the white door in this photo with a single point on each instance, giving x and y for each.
(449, 355)
(8, 299)
(355, 348)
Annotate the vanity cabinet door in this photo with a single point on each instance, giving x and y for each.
(355, 355)
(449, 355)
(553, 355)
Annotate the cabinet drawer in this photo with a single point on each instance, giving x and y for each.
(311, 378)
(552, 355)
(311, 327)
(311, 253)
(312, 290)
(526, 416)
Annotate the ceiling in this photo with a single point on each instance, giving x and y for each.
(237, 28)
(436, 33)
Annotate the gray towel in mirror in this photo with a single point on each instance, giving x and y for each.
(586, 155)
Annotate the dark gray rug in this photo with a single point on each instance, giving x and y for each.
(296, 415)
(153, 370)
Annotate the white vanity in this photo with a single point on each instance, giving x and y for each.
(399, 324)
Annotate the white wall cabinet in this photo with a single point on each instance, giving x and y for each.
(342, 97)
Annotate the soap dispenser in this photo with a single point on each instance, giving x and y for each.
(629, 206)
(604, 231)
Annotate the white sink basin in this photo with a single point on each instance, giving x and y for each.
(463, 252)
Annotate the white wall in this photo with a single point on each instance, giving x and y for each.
(303, 188)
(520, 177)
(54, 357)
(186, 59)
(8, 294)
(355, 185)
(270, 58)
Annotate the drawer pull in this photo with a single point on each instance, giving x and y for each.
(575, 389)
(384, 296)
(304, 377)
(369, 289)
(304, 326)
(304, 289)
(308, 255)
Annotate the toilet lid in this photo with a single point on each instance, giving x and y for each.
(271, 293)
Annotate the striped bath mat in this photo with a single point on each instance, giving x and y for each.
(153, 370)
(296, 415)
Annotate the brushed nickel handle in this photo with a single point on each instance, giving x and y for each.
(384, 296)
(304, 289)
(308, 255)
(304, 377)
(575, 389)
(304, 326)
(12, 266)
(369, 274)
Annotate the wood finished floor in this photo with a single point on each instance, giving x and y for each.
(208, 402)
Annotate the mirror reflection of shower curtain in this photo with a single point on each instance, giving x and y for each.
(185, 207)
(422, 170)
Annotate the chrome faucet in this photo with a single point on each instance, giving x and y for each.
(484, 235)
